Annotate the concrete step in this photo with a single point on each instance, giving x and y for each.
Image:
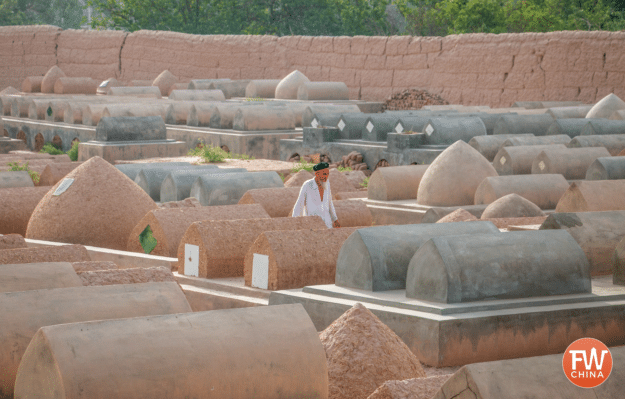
(202, 299)
(228, 285)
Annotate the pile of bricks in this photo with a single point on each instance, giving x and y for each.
(352, 160)
(412, 99)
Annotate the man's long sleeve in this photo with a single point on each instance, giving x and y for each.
(300, 206)
(331, 204)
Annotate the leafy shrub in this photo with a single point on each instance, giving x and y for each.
(51, 149)
(365, 183)
(73, 152)
(209, 152)
(16, 167)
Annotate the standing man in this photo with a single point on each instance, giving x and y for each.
(315, 197)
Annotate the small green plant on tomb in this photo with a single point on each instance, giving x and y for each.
(209, 153)
(49, 148)
(16, 167)
(253, 99)
(302, 165)
(344, 169)
(73, 152)
(147, 240)
(282, 176)
(365, 182)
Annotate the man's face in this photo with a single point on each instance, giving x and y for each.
(322, 175)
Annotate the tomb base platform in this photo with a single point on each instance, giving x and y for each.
(8, 144)
(29, 129)
(372, 151)
(262, 144)
(368, 107)
(131, 150)
(444, 335)
(257, 144)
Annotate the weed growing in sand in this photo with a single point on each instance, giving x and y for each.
(73, 152)
(49, 148)
(16, 167)
(365, 182)
(302, 165)
(232, 155)
(209, 152)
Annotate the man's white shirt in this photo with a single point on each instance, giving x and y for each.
(309, 203)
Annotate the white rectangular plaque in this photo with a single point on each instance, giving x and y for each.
(191, 260)
(341, 125)
(260, 271)
(369, 126)
(314, 123)
(399, 128)
(63, 186)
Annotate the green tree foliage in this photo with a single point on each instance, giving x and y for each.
(278, 17)
(10, 14)
(499, 16)
(63, 13)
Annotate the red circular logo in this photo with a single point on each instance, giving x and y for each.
(587, 363)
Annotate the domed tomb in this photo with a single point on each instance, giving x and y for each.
(606, 107)
(95, 204)
(453, 177)
(287, 88)
(512, 206)
(164, 81)
(50, 78)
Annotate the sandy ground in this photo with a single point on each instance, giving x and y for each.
(253, 165)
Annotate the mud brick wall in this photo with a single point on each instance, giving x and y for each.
(484, 69)
(26, 51)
